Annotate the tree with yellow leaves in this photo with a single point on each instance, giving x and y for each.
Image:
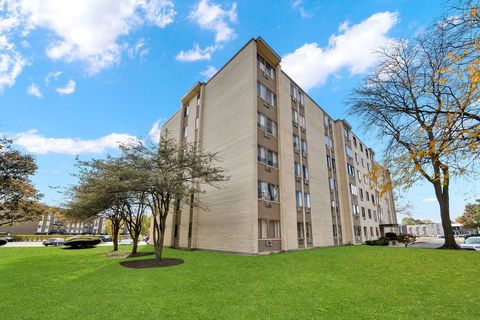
(423, 97)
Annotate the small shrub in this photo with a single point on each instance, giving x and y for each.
(392, 236)
(3, 242)
(379, 242)
(82, 242)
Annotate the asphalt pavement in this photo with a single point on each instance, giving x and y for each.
(31, 244)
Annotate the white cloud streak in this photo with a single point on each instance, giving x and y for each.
(195, 54)
(34, 90)
(210, 16)
(155, 130)
(34, 142)
(352, 48)
(209, 72)
(68, 89)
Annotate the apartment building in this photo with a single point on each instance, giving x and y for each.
(299, 179)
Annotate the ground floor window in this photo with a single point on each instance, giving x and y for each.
(268, 229)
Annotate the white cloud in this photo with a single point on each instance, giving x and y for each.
(430, 200)
(210, 16)
(155, 130)
(209, 72)
(68, 89)
(195, 54)
(89, 30)
(298, 5)
(34, 90)
(352, 48)
(34, 142)
(138, 49)
(52, 76)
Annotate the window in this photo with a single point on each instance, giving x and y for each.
(368, 167)
(333, 164)
(185, 132)
(306, 175)
(261, 154)
(349, 151)
(334, 230)
(265, 93)
(355, 209)
(353, 190)
(309, 229)
(356, 157)
(267, 191)
(293, 91)
(186, 110)
(376, 231)
(361, 147)
(351, 170)
(369, 214)
(307, 200)
(272, 127)
(302, 98)
(325, 120)
(268, 70)
(371, 231)
(359, 175)
(304, 147)
(367, 196)
(303, 123)
(294, 116)
(346, 133)
(355, 142)
(374, 215)
(197, 123)
(300, 232)
(266, 124)
(268, 229)
(272, 158)
(361, 193)
(328, 142)
(299, 199)
(363, 213)
(331, 183)
(296, 143)
(365, 231)
(329, 162)
(373, 199)
(297, 169)
(261, 121)
(366, 153)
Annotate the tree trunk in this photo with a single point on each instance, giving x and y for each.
(115, 231)
(443, 201)
(160, 229)
(135, 245)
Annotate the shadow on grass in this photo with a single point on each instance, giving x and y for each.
(77, 248)
(151, 263)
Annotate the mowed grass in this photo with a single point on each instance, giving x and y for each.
(331, 283)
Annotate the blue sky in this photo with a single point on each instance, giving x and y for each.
(76, 77)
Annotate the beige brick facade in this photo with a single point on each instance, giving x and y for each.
(273, 141)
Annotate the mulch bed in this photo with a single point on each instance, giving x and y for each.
(151, 263)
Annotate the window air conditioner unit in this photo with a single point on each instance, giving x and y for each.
(269, 243)
(265, 103)
(268, 204)
(298, 178)
(307, 210)
(295, 124)
(294, 99)
(265, 74)
(305, 181)
(267, 168)
(266, 135)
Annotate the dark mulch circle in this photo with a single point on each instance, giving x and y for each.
(151, 263)
(140, 254)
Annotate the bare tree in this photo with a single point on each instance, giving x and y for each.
(170, 173)
(427, 113)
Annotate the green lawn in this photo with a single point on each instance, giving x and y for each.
(332, 283)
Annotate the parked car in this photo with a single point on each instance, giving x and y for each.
(105, 238)
(472, 235)
(126, 241)
(8, 238)
(3, 242)
(471, 243)
(53, 242)
(82, 242)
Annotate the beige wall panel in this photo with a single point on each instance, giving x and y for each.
(229, 128)
(319, 189)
